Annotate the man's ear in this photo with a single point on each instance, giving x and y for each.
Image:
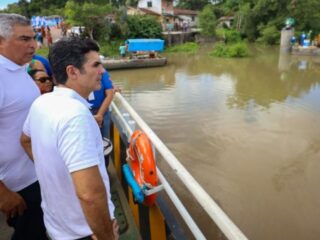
(72, 72)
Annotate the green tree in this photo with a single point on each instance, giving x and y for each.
(46, 7)
(193, 4)
(238, 50)
(270, 35)
(141, 26)
(229, 35)
(207, 21)
(257, 15)
(24, 6)
(52, 10)
(21, 7)
(89, 15)
(306, 14)
(13, 8)
(132, 3)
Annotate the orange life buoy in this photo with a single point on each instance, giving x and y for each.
(143, 164)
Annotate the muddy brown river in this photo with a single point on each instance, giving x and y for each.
(247, 129)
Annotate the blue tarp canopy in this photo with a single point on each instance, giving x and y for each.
(145, 45)
(38, 21)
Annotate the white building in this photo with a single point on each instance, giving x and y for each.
(162, 7)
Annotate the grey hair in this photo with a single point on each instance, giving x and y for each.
(8, 21)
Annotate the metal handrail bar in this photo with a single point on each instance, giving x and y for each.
(230, 230)
(180, 208)
(172, 195)
(118, 113)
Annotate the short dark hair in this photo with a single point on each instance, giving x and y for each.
(69, 51)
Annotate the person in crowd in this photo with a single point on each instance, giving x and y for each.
(19, 189)
(185, 26)
(70, 163)
(44, 62)
(63, 29)
(101, 100)
(43, 33)
(35, 64)
(39, 38)
(42, 79)
(49, 36)
(122, 50)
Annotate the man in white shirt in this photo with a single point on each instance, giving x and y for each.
(19, 190)
(67, 147)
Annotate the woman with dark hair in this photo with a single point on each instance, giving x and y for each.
(42, 79)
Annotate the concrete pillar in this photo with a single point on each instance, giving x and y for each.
(286, 35)
(284, 61)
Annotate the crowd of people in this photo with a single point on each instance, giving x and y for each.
(43, 36)
(53, 114)
(177, 25)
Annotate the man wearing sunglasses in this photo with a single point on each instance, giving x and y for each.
(19, 190)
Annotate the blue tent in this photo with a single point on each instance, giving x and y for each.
(145, 45)
(38, 21)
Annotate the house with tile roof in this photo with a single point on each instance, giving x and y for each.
(171, 18)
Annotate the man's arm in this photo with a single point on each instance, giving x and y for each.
(11, 203)
(26, 144)
(104, 106)
(92, 194)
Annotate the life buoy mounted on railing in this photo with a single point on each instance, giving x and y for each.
(142, 173)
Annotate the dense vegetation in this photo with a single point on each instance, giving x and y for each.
(231, 46)
(189, 47)
(239, 49)
(262, 20)
(140, 26)
(253, 20)
(208, 21)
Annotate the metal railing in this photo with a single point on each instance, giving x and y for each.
(230, 230)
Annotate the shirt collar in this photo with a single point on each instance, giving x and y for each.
(8, 64)
(71, 93)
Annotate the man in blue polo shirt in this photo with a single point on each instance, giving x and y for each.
(101, 100)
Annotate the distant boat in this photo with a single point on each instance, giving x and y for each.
(111, 64)
(143, 53)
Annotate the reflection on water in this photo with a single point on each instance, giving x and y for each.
(247, 129)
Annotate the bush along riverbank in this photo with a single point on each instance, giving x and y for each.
(231, 44)
(239, 50)
(189, 47)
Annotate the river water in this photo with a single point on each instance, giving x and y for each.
(247, 129)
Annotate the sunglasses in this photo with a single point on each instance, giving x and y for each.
(44, 79)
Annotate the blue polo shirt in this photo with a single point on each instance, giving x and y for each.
(99, 95)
